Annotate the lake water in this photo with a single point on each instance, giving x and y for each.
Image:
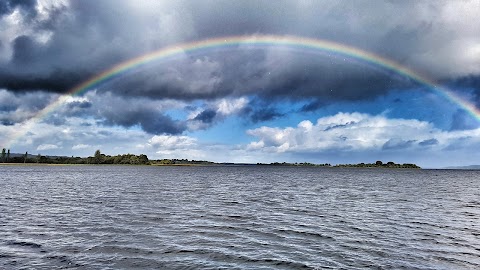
(146, 217)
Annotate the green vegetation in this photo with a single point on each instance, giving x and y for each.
(302, 164)
(181, 162)
(98, 158)
(377, 164)
(380, 164)
(130, 159)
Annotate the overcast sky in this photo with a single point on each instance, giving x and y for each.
(244, 103)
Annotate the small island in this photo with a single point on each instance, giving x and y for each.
(377, 164)
(131, 159)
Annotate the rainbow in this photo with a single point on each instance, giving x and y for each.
(300, 43)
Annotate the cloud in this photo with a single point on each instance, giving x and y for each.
(81, 146)
(150, 120)
(169, 142)
(428, 142)
(65, 42)
(47, 147)
(215, 111)
(265, 114)
(9, 6)
(397, 144)
(58, 140)
(111, 110)
(171, 146)
(312, 106)
(356, 132)
(47, 47)
(206, 116)
(18, 107)
(230, 106)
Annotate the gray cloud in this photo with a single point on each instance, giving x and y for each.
(82, 38)
(428, 142)
(206, 116)
(17, 107)
(151, 121)
(150, 117)
(8, 6)
(54, 47)
(108, 110)
(397, 144)
(264, 114)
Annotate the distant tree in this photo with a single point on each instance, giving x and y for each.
(8, 155)
(39, 157)
(379, 163)
(3, 154)
(97, 158)
(143, 159)
(25, 158)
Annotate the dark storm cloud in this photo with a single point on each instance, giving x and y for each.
(263, 73)
(8, 6)
(265, 115)
(6, 122)
(150, 121)
(59, 82)
(333, 81)
(82, 38)
(17, 107)
(77, 109)
(117, 111)
(261, 110)
(397, 144)
(206, 116)
(313, 106)
(25, 50)
(110, 110)
(80, 104)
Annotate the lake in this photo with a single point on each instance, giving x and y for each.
(245, 217)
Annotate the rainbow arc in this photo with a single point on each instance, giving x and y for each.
(295, 42)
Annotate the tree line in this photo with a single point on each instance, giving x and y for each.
(97, 158)
(380, 164)
(131, 159)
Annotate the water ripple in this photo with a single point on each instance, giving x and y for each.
(114, 217)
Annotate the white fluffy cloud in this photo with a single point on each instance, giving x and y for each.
(352, 132)
(169, 142)
(231, 106)
(81, 146)
(47, 147)
(171, 146)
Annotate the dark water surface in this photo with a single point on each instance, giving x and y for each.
(146, 217)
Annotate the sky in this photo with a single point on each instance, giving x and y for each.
(247, 102)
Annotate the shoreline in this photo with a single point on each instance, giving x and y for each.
(210, 165)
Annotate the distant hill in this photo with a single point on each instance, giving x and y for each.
(470, 167)
(12, 155)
